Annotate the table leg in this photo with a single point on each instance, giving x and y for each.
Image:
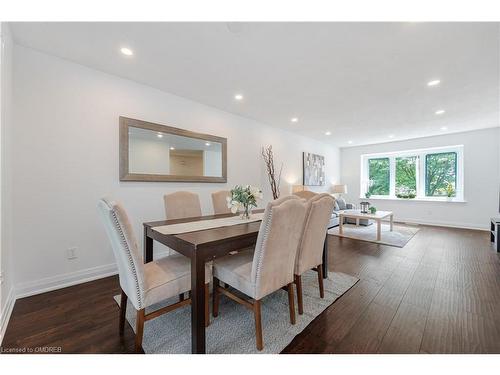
(197, 305)
(341, 224)
(392, 222)
(324, 266)
(357, 222)
(379, 229)
(148, 247)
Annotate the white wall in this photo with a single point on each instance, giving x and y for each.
(6, 266)
(65, 157)
(481, 173)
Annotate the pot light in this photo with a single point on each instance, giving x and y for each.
(440, 112)
(126, 51)
(172, 148)
(350, 142)
(434, 82)
(328, 133)
(391, 135)
(159, 135)
(238, 97)
(294, 119)
(207, 143)
(444, 128)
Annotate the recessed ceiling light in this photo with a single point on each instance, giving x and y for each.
(126, 51)
(434, 82)
(350, 142)
(444, 128)
(294, 119)
(159, 135)
(391, 135)
(207, 143)
(238, 97)
(172, 148)
(440, 112)
(328, 133)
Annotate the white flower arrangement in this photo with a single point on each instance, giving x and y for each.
(243, 198)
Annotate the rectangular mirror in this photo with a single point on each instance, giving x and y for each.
(154, 152)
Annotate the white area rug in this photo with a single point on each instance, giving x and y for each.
(233, 331)
(399, 237)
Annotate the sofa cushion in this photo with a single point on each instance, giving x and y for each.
(341, 203)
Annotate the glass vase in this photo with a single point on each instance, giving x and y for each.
(245, 214)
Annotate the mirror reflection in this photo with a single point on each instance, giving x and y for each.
(159, 153)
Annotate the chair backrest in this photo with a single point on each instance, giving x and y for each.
(126, 251)
(277, 244)
(181, 205)
(318, 214)
(220, 203)
(305, 194)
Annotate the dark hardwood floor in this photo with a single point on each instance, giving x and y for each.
(438, 294)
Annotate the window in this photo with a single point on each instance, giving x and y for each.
(426, 174)
(441, 174)
(379, 171)
(406, 177)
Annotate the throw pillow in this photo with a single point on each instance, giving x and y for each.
(341, 203)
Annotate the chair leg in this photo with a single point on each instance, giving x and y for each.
(207, 312)
(300, 304)
(123, 311)
(291, 303)
(215, 299)
(139, 330)
(320, 281)
(258, 325)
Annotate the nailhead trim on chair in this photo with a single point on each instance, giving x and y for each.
(267, 228)
(130, 259)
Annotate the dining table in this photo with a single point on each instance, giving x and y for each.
(205, 242)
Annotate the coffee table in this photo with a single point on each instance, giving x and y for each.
(357, 214)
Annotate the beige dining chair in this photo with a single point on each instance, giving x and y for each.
(267, 269)
(181, 205)
(310, 252)
(145, 284)
(305, 194)
(220, 202)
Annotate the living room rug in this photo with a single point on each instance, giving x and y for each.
(399, 237)
(233, 331)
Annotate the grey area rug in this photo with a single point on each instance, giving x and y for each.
(399, 237)
(233, 331)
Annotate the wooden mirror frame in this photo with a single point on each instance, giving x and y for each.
(125, 174)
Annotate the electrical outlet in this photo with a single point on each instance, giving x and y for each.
(72, 253)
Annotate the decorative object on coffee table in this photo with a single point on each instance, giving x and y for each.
(373, 209)
(364, 207)
(243, 199)
(268, 156)
(313, 169)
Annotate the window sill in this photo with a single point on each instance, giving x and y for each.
(436, 200)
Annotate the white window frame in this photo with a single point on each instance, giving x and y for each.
(420, 173)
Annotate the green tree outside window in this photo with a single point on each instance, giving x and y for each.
(441, 174)
(379, 175)
(406, 177)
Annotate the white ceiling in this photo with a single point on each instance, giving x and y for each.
(361, 81)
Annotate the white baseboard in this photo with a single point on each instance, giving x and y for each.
(6, 312)
(62, 281)
(448, 224)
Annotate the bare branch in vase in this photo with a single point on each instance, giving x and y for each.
(268, 156)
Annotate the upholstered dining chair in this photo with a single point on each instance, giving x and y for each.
(220, 203)
(305, 194)
(310, 252)
(267, 269)
(145, 284)
(181, 205)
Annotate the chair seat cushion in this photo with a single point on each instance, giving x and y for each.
(168, 277)
(236, 271)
